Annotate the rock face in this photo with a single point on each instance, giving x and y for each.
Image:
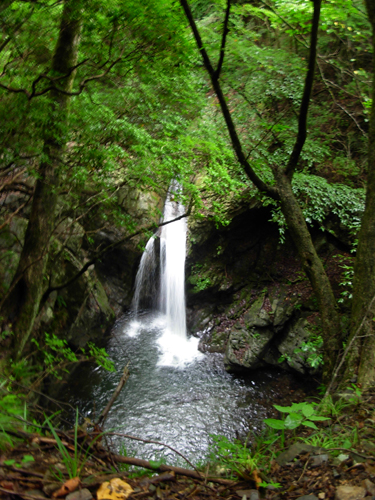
(247, 295)
(269, 333)
(83, 310)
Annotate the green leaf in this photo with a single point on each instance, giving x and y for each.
(318, 418)
(9, 462)
(283, 409)
(308, 410)
(293, 420)
(274, 424)
(307, 423)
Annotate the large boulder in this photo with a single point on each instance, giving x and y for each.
(269, 333)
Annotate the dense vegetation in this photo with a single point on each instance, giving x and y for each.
(97, 96)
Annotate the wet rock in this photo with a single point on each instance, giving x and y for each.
(256, 315)
(70, 234)
(350, 493)
(83, 494)
(11, 238)
(117, 269)
(145, 206)
(293, 451)
(297, 333)
(369, 486)
(248, 494)
(245, 349)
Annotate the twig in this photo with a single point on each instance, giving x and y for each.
(23, 495)
(123, 380)
(352, 451)
(304, 469)
(152, 442)
(169, 468)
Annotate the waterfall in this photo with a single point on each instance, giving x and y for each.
(165, 278)
(160, 286)
(146, 279)
(172, 264)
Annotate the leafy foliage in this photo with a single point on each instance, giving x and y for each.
(298, 414)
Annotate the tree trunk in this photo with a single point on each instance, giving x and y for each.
(313, 267)
(22, 305)
(361, 357)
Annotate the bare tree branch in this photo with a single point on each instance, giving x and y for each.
(100, 254)
(259, 183)
(309, 80)
(223, 41)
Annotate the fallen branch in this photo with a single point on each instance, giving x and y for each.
(23, 495)
(169, 468)
(148, 441)
(123, 380)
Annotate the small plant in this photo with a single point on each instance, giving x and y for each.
(347, 277)
(333, 408)
(25, 460)
(57, 354)
(357, 394)
(11, 407)
(75, 463)
(198, 279)
(313, 348)
(296, 415)
(237, 459)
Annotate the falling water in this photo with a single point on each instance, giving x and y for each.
(146, 279)
(164, 277)
(172, 264)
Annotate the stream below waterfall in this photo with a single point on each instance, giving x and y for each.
(175, 394)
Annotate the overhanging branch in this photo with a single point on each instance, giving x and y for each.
(309, 80)
(108, 248)
(236, 143)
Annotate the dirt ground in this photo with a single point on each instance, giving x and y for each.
(33, 468)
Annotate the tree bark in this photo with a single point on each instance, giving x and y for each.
(361, 358)
(313, 267)
(22, 304)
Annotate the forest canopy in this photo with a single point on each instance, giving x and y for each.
(99, 96)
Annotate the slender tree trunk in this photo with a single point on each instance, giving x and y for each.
(313, 267)
(283, 192)
(22, 304)
(361, 358)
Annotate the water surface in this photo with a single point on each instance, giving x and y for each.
(175, 394)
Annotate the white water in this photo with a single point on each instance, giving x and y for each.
(145, 275)
(172, 264)
(175, 348)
